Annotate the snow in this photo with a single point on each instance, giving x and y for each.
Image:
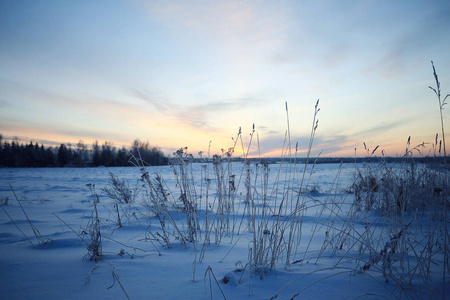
(59, 204)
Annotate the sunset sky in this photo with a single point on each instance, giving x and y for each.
(184, 73)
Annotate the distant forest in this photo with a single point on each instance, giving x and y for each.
(15, 155)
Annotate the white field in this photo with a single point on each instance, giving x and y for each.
(322, 264)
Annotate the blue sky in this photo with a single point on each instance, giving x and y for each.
(184, 73)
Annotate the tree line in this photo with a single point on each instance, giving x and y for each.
(33, 155)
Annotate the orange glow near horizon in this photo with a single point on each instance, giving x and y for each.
(202, 142)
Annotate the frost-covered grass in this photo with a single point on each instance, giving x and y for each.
(224, 229)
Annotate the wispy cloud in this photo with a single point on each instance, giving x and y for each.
(202, 116)
(380, 129)
(408, 45)
(237, 34)
(159, 103)
(141, 113)
(225, 20)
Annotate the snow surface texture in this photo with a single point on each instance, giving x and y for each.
(136, 263)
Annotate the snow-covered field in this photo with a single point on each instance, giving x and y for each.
(239, 246)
